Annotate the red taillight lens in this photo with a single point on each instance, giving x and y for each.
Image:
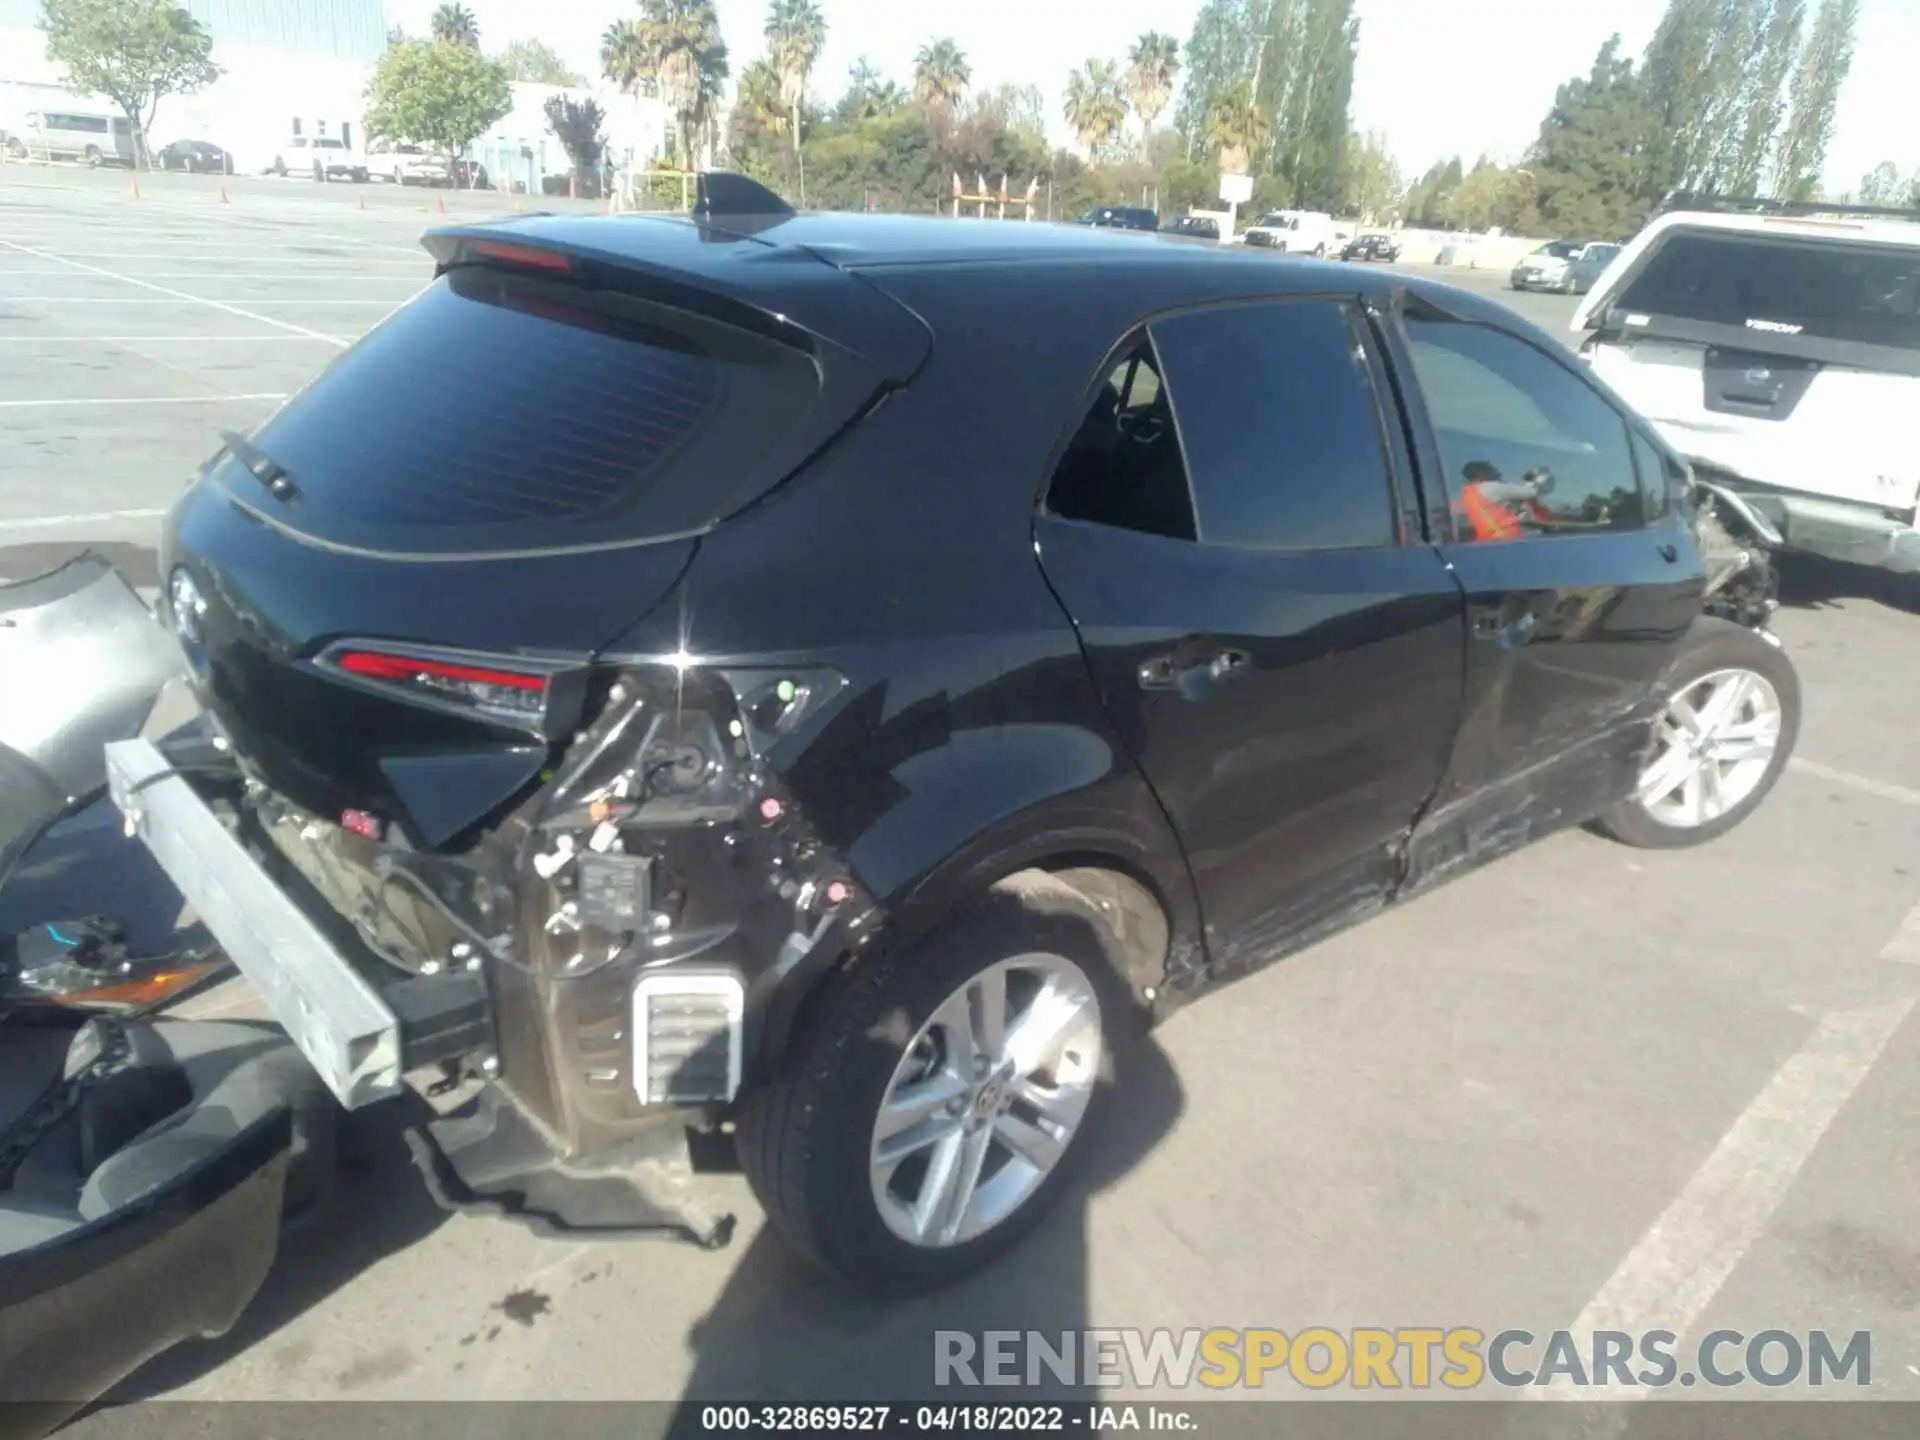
(530, 256)
(489, 689)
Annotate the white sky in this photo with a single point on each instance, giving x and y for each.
(1437, 79)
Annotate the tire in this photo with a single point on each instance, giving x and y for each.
(280, 168)
(1715, 648)
(93, 157)
(807, 1138)
(319, 173)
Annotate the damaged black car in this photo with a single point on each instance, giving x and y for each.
(827, 680)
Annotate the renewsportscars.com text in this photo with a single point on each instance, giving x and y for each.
(1416, 1358)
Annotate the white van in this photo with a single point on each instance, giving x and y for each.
(92, 136)
(1299, 232)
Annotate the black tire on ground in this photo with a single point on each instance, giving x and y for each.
(93, 156)
(805, 1137)
(1715, 644)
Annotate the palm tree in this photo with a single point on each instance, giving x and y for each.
(1237, 128)
(796, 31)
(1096, 104)
(1153, 63)
(684, 56)
(453, 24)
(623, 58)
(941, 74)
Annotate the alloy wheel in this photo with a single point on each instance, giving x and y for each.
(1712, 748)
(986, 1100)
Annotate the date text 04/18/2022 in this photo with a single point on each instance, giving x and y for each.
(944, 1419)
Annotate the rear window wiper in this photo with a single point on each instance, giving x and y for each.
(262, 466)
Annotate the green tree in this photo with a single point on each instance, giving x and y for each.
(1096, 105)
(1221, 52)
(538, 63)
(624, 59)
(757, 124)
(1882, 185)
(1370, 183)
(1305, 87)
(869, 94)
(1589, 163)
(437, 94)
(453, 24)
(1429, 201)
(796, 31)
(1236, 131)
(683, 57)
(1152, 65)
(133, 52)
(1764, 107)
(1817, 80)
(941, 75)
(580, 126)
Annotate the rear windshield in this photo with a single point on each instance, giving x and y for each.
(500, 412)
(1559, 250)
(1854, 293)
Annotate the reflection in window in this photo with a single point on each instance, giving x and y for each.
(1123, 466)
(1529, 448)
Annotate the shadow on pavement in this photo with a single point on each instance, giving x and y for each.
(1812, 582)
(779, 1332)
(140, 564)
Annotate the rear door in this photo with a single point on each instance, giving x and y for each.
(1276, 644)
(1579, 582)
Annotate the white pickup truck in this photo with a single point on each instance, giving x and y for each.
(1777, 347)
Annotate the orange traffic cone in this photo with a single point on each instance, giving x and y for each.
(518, 208)
(223, 196)
(133, 188)
(440, 206)
(363, 202)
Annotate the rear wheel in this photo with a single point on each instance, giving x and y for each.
(1732, 717)
(934, 1112)
(93, 156)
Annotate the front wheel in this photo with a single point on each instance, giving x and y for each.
(933, 1112)
(1728, 730)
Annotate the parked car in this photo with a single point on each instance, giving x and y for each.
(768, 759)
(1371, 246)
(1589, 265)
(325, 157)
(404, 164)
(197, 155)
(1547, 267)
(1120, 217)
(1777, 347)
(1300, 232)
(471, 175)
(1198, 227)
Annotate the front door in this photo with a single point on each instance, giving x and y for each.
(1580, 580)
(1278, 649)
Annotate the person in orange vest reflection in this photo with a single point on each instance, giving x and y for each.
(1499, 509)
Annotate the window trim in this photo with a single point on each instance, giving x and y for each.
(1427, 441)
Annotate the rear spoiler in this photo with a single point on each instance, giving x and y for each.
(726, 261)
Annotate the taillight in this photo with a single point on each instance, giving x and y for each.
(529, 256)
(485, 687)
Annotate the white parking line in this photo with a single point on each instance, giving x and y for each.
(182, 295)
(1670, 1277)
(353, 277)
(1905, 944)
(100, 517)
(1881, 788)
(138, 400)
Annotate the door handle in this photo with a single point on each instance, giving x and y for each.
(1164, 672)
(1156, 674)
(1669, 552)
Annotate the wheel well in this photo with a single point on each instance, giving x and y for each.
(1138, 917)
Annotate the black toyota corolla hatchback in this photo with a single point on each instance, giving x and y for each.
(827, 679)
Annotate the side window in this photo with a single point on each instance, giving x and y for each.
(1529, 448)
(1660, 478)
(1281, 426)
(1123, 465)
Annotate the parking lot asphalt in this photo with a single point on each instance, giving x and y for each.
(1584, 1088)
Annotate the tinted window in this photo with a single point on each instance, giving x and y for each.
(1529, 448)
(496, 411)
(1863, 294)
(1559, 250)
(1281, 430)
(1123, 465)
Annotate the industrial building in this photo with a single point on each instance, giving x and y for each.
(301, 67)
